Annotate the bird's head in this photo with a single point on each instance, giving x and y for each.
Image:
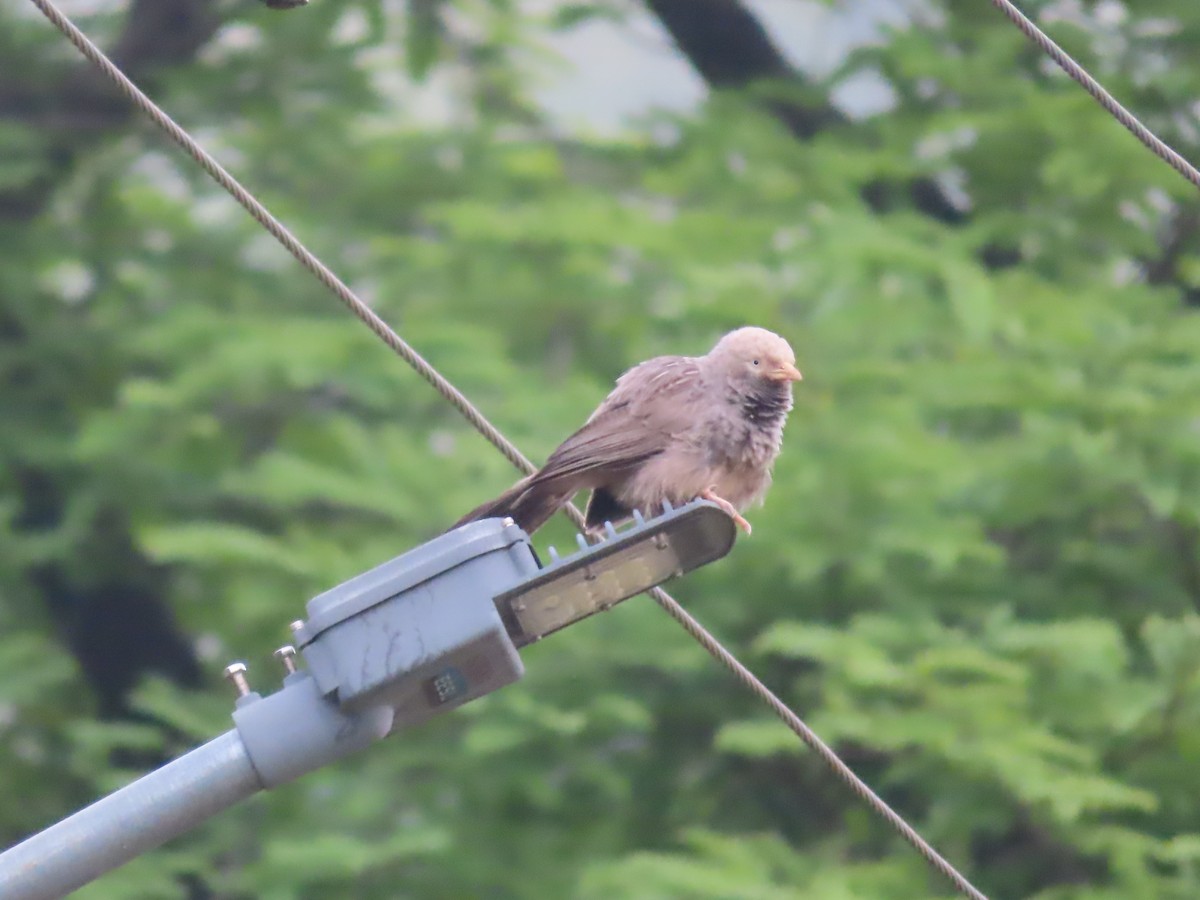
(755, 355)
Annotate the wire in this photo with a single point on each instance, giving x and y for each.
(1096, 89)
(481, 424)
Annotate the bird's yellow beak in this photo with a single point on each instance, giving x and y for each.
(786, 372)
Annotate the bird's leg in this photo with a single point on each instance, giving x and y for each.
(710, 494)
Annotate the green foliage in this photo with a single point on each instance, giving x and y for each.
(976, 574)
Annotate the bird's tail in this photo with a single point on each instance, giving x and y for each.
(530, 503)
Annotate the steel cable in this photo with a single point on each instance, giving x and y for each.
(1065, 62)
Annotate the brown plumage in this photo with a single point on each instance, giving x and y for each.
(674, 428)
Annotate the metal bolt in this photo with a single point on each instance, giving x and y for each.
(235, 674)
(507, 522)
(287, 658)
(296, 626)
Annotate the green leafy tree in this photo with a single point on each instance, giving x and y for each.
(976, 574)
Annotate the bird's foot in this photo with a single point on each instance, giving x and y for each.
(728, 508)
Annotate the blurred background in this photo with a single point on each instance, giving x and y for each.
(977, 574)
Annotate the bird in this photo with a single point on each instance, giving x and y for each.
(674, 428)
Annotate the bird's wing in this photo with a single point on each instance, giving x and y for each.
(652, 402)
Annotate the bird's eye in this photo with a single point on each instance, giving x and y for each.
(756, 362)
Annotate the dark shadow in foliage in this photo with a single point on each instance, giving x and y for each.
(1180, 237)
(1032, 859)
(113, 618)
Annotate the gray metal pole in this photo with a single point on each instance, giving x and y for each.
(140, 816)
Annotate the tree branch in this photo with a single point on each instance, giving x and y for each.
(71, 106)
(729, 48)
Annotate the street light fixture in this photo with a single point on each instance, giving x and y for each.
(419, 635)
